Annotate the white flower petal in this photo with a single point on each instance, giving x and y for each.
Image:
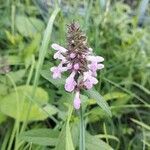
(58, 48)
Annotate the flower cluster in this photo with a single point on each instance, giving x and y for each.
(78, 60)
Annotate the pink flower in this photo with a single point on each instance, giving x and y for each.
(70, 83)
(76, 66)
(59, 48)
(72, 55)
(95, 58)
(77, 100)
(60, 51)
(89, 80)
(59, 56)
(69, 66)
(58, 70)
(94, 66)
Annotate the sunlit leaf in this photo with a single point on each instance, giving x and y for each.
(28, 26)
(19, 101)
(2, 118)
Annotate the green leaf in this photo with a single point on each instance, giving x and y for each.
(2, 118)
(100, 100)
(92, 142)
(28, 26)
(3, 88)
(46, 137)
(120, 96)
(12, 60)
(115, 95)
(32, 47)
(48, 76)
(17, 75)
(20, 99)
(141, 124)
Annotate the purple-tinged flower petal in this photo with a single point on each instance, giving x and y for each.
(88, 84)
(93, 80)
(89, 80)
(94, 66)
(100, 66)
(77, 101)
(72, 55)
(69, 66)
(59, 56)
(59, 48)
(76, 66)
(70, 83)
(95, 58)
(90, 49)
(56, 72)
(87, 75)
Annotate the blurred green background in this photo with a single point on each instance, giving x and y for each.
(118, 30)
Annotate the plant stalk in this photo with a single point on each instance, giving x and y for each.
(82, 131)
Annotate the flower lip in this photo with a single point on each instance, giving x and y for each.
(59, 56)
(89, 80)
(95, 58)
(70, 83)
(76, 66)
(59, 48)
(72, 55)
(56, 72)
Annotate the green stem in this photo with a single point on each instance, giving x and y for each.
(82, 131)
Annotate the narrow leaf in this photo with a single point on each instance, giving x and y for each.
(141, 124)
(100, 100)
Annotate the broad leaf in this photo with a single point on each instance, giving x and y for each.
(2, 118)
(17, 75)
(18, 104)
(28, 26)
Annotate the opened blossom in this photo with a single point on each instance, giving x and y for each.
(70, 82)
(78, 61)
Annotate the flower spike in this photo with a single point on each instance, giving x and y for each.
(77, 59)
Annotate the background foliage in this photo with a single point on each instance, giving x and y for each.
(36, 112)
